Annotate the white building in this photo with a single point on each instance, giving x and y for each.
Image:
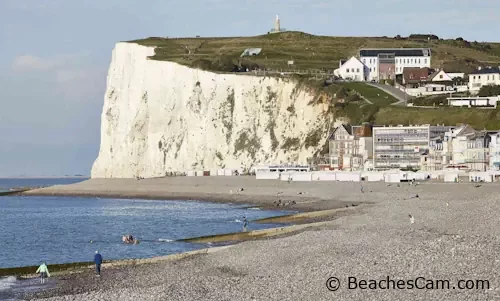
(490, 101)
(483, 77)
(352, 69)
(386, 63)
(495, 151)
(402, 146)
(350, 147)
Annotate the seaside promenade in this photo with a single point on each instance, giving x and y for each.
(452, 242)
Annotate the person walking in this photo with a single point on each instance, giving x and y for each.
(44, 272)
(245, 223)
(98, 262)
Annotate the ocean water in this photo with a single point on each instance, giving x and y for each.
(59, 229)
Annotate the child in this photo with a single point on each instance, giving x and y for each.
(44, 272)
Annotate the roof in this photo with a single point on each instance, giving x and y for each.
(355, 130)
(487, 71)
(397, 52)
(415, 74)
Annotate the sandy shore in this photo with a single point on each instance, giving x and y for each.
(455, 235)
(308, 196)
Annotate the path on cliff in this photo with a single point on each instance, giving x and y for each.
(401, 96)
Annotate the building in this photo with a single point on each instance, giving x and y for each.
(402, 146)
(350, 147)
(352, 69)
(483, 77)
(485, 102)
(494, 151)
(477, 155)
(454, 146)
(442, 76)
(433, 159)
(387, 63)
(414, 76)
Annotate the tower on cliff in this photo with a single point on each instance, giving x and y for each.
(277, 27)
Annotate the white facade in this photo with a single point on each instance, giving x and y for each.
(441, 76)
(495, 152)
(474, 101)
(484, 77)
(404, 57)
(352, 69)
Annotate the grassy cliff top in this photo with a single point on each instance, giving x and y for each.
(318, 52)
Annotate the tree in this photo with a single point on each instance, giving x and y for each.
(489, 90)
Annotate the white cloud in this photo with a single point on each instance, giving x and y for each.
(26, 63)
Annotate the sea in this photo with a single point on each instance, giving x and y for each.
(56, 230)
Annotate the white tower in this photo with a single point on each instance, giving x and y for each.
(277, 24)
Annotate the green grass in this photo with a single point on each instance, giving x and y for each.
(314, 52)
(478, 118)
(375, 95)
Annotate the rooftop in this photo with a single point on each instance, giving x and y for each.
(396, 51)
(487, 71)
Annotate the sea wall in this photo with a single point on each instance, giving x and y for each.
(160, 117)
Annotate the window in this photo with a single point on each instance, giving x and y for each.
(370, 69)
(357, 70)
(352, 70)
(373, 69)
(474, 77)
(441, 76)
(425, 61)
(488, 77)
(419, 61)
(347, 70)
(479, 77)
(370, 61)
(364, 61)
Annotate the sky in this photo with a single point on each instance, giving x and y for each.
(55, 55)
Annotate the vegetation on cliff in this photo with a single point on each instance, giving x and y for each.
(312, 52)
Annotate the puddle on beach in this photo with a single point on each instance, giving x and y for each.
(10, 286)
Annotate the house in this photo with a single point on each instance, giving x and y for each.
(432, 160)
(402, 146)
(439, 76)
(477, 153)
(388, 62)
(352, 69)
(350, 147)
(483, 77)
(413, 76)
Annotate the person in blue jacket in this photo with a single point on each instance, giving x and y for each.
(98, 262)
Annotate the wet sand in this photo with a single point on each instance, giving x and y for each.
(455, 236)
(310, 196)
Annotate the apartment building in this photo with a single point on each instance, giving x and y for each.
(386, 63)
(483, 77)
(494, 149)
(403, 146)
(350, 147)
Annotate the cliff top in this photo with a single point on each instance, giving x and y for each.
(317, 52)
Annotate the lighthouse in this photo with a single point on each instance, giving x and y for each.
(277, 24)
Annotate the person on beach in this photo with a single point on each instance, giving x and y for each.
(245, 223)
(44, 272)
(98, 262)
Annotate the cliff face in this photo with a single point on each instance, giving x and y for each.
(160, 117)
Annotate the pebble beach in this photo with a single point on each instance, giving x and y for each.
(453, 236)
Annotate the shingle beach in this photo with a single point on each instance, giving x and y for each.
(455, 236)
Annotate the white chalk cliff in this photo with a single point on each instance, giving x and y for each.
(161, 117)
